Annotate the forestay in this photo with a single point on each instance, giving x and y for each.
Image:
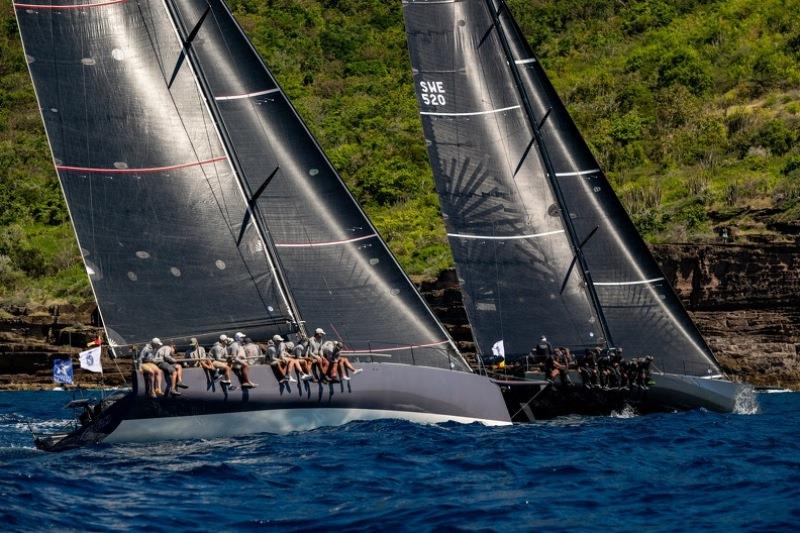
(340, 273)
(159, 214)
(509, 241)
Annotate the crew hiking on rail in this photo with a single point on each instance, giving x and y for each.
(599, 368)
(312, 359)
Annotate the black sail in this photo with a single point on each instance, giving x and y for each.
(642, 312)
(339, 272)
(160, 216)
(512, 253)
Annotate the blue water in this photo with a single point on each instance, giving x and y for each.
(659, 473)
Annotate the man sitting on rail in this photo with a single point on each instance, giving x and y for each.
(195, 353)
(252, 352)
(237, 359)
(150, 372)
(275, 356)
(165, 360)
(218, 355)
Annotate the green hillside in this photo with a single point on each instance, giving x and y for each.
(691, 106)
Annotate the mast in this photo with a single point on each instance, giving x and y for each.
(254, 214)
(550, 170)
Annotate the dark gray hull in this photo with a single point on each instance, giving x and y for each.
(207, 410)
(679, 392)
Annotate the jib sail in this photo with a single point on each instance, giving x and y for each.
(340, 273)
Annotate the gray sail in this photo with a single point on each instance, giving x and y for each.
(641, 311)
(340, 274)
(160, 217)
(505, 228)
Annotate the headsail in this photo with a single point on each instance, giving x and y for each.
(340, 272)
(505, 228)
(641, 310)
(159, 215)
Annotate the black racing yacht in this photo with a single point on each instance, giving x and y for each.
(542, 245)
(202, 205)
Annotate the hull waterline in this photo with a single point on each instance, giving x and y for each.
(207, 409)
(530, 400)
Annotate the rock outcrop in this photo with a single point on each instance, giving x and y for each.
(744, 298)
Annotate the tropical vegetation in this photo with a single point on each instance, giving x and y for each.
(691, 106)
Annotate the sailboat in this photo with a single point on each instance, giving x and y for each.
(203, 205)
(541, 243)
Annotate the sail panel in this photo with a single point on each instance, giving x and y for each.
(508, 239)
(340, 273)
(159, 215)
(618, 258)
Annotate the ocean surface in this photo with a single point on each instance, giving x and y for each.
(656, 473)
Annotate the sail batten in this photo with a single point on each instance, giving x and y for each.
(154, 204)
(338, 270)
(493, 60)
(512, 253)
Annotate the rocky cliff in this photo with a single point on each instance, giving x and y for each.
(744, 298)
(746, 301)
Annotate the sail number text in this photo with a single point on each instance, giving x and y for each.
(433, 92)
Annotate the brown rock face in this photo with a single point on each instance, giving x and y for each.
(31, 338)
(744, 299)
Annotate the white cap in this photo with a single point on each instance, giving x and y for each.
(239, 335)
(156, 340)
(223, 338)
(277, 338)
(319, 331)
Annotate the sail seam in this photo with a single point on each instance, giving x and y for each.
(396, 349)
(69, 6)
(491, 111)
(505, 238)
(577, 173)
(140, 170)
(626, 283)
(322, 243)
(248, 95)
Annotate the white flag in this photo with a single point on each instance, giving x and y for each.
(90, 360)
(499, 349)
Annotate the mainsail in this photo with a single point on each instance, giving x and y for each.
(487, 105)
(150, 188)
(200, 200)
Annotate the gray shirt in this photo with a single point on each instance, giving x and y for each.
(218, 352)
(147, 354)
(252, 352)
(196, 353)
(164, 355)
(300, 349)
(315, 346)
(236, 352)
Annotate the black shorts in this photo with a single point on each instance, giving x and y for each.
(166, 367)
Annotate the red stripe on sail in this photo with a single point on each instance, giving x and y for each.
(139, 170)
(68, 6)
